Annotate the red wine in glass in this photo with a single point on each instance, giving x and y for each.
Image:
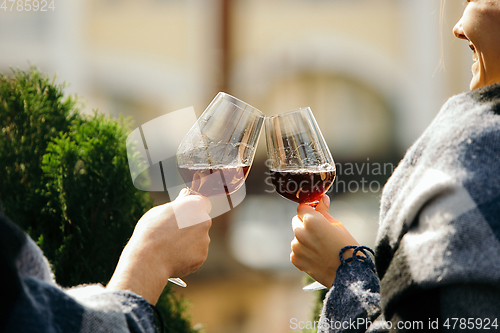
(211, 181)
(302, 185)
(301, 165)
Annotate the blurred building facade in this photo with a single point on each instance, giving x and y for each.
(370, 71)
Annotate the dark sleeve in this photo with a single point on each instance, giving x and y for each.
(353, 302)
(31, 302)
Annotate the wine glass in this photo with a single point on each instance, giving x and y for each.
(301, 165)
(216, 154)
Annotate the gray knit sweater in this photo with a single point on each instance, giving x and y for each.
(438, 250)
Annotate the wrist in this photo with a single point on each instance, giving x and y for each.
(140, 276)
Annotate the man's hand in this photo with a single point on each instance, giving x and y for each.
(159, 249)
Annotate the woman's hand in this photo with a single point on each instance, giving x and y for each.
(162, 247)
(318, 241)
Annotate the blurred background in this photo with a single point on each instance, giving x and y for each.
(374, 72)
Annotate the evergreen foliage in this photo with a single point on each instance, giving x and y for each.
(64, 178)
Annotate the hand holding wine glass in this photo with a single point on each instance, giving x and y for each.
(318, 240)
(158, 249)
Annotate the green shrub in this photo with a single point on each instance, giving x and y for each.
(32, 113)
(64, 178)
(89, 188)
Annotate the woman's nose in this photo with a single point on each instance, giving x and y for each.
(458, 31)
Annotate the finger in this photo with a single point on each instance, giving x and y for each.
(186, 193)
(323, 208)
(303, 209)
(196, 202)
(295, 261)
(195, 185)
(303, 263)
(301, 235)
(326, 200)
(295, 245)
(324, 204)
(191, 210)
(183, 193)
(296, 223)
(310, 218)
(300, 255)
(206, 203)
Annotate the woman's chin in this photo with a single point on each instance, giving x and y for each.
(478, 80)
(474, 84)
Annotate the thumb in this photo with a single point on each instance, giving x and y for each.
(186, 195)
(183, 193)
(191, 209)
(324, 205)
(322, 208)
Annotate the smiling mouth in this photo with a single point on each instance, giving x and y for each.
(474, 56)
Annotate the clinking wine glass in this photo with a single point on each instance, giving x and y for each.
(216, 154)
(301, 165)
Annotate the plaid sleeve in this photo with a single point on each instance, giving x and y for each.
(44, 307)
(117, 311)
(32, 302)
